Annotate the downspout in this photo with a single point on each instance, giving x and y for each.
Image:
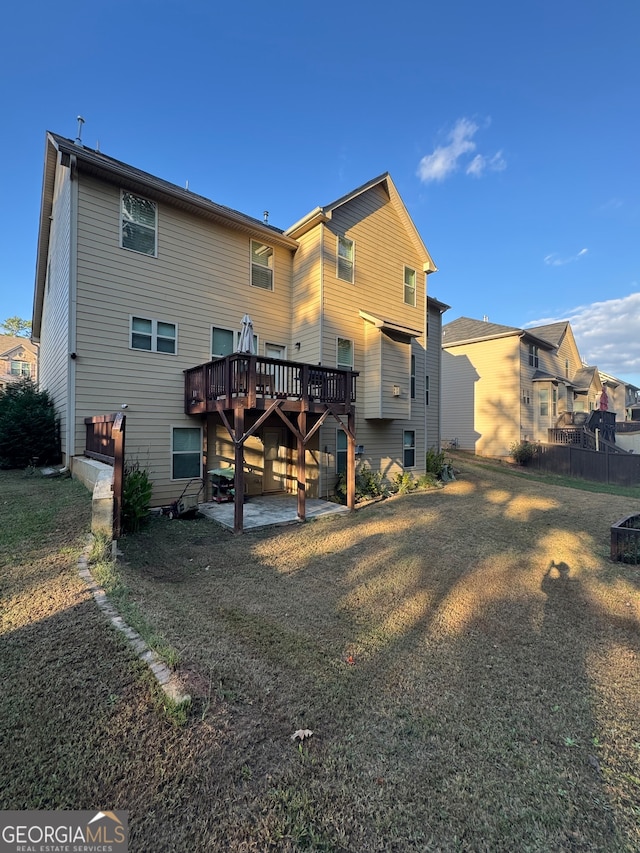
(72, 332)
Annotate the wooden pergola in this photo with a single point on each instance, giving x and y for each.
(302, 396)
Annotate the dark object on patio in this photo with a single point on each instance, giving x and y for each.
(187, 504)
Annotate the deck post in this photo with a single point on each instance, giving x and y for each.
(351, 460)
(302, 466)
(238, 480)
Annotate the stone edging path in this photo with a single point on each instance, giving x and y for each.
(163, 675)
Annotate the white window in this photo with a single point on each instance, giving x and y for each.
(275, 351)
(222, 342)
(344, 358)
(153, 335)
(225, 342)
(526, 396)
(344, 267)
(555, 402)
(261, 265)
(20, 368)
(543, 398)
(409, 286)
(186, 453)
(533, 355)
(341, 451)
(139, 224)
(409, 448)
(426, 390)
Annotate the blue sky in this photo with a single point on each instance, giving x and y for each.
(510, 130)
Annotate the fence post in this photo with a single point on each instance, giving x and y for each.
(117, 433)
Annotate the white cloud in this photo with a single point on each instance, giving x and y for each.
(608, 335)
(445, 159)
(480, 163)
(554, 259)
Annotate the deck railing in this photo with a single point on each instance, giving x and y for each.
(258, 377)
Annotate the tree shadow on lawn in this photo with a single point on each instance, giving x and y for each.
(454, 700)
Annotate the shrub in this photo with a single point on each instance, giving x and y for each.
(523, 451)
(136, 498)
(404, 483)
(435, 461)
(369, 484)
(29, 428)
(429, 481)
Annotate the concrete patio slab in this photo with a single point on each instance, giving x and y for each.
(265, 511)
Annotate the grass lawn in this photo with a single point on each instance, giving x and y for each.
(467, 659)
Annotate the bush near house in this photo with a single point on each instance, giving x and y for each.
(29, 427)
(136, 497)
(523, 451)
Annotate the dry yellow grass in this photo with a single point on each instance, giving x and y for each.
(467, 659)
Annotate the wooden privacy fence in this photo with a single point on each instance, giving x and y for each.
(619, 469)
(105, 443)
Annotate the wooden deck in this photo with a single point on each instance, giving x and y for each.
(253, 382)
(238, 383)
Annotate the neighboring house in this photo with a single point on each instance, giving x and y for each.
(18, 359)
(503, 385)
(140, 291)
(622, 395)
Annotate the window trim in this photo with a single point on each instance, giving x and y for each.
(262, 267)
(173, 452)
(343, 238)
(154, 335)
(236, 340)
(412, 288)
(534, 356)
(341, 451)
(153, 254)
(22, 371)
(427, 389)
(543, 401)
(353, 353)
(411, 447)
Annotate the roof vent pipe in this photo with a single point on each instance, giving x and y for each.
(266, 217)
(79, 136)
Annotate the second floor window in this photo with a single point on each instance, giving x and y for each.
(409, 286)
(261, 265)
(533, 355)
(20, 368)
(345, 259)
(344, 358)
(139, 221)
(153, 335)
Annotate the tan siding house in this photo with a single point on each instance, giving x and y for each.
(18, 359)
(503, 385)
(140, 290)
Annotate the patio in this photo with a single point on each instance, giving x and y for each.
(264, 511)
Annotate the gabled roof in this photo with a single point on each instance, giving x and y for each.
(464, 330)
(11, 343)
(583, 378)
(325, 213)
(607, 379)
(552, 332)
(81, 159)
